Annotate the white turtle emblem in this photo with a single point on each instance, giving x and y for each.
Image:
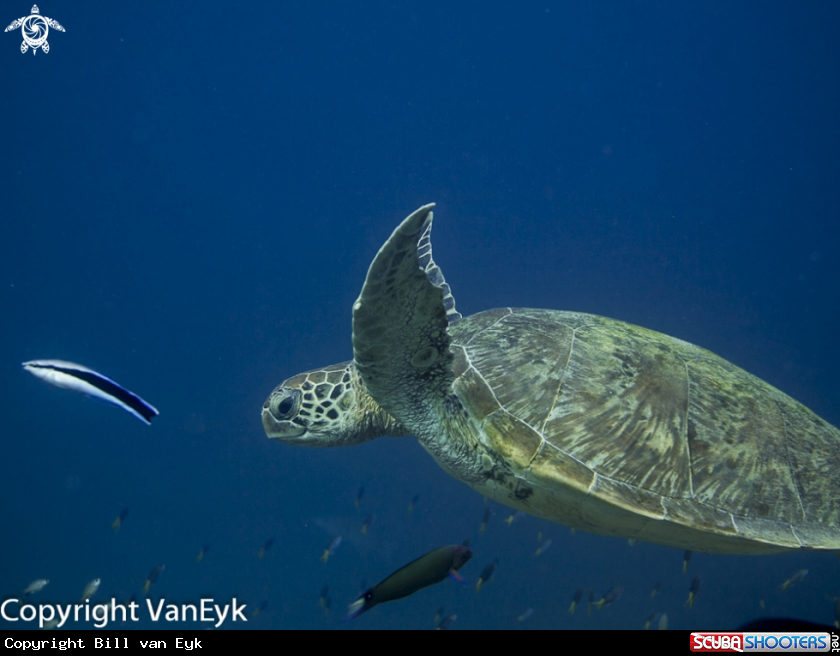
(34, 29)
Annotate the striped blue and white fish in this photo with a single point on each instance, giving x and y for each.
(81, 379)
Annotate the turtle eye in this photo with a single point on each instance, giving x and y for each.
(286, 406)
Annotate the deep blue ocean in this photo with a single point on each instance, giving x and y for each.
(192, 193)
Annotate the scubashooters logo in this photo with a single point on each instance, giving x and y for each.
(34, 29)
(779, 642)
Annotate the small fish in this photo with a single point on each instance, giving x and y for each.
(81, 379)
(264, 549)
(656, 589)
(413, 503)
(322, 600)
(686, 560)
(540, 536)
(518, 514)
(447, 622)
(119, 520)
(36, 586)
(486, 575)
(545, 546)
(525, 615)
(154, 575)
(259, 609)
(327, 606)
(610, 597)
(692, 591)
(438, 616)
(202, 553)
(657, 621)
(837, 614)
(334, 544)
(571, 531)
(51, 624)
(576, 600)
(427, 570)
(797, 577)
(369, 520)
(359, 496)
(485, 518)
(761, 604)
(631, 542)
(90, 590)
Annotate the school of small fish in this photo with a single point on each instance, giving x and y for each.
(426, 570)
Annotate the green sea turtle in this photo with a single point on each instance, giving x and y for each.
(583, 420)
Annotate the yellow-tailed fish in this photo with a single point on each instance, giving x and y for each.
(264, 549)
(576, 600)
(545, 546)
(692, 591)
(369, 520)
(484, 519)
(486, 575)
(154, 575)
(322, 600)
(119, 520)
(525, 615)
(656, 589)
(797, 577)
(331, 548)
(413, 503)
(427, 570)
(610, 597)
(202, 553)
(447, 622)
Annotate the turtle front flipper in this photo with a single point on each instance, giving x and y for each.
(15, 24)
(400, 321)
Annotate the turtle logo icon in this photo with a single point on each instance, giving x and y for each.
(35, 29)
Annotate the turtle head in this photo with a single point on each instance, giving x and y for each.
(325, 407)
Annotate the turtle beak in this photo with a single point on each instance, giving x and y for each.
(283, 431)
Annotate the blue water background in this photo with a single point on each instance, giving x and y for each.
(192, 193)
